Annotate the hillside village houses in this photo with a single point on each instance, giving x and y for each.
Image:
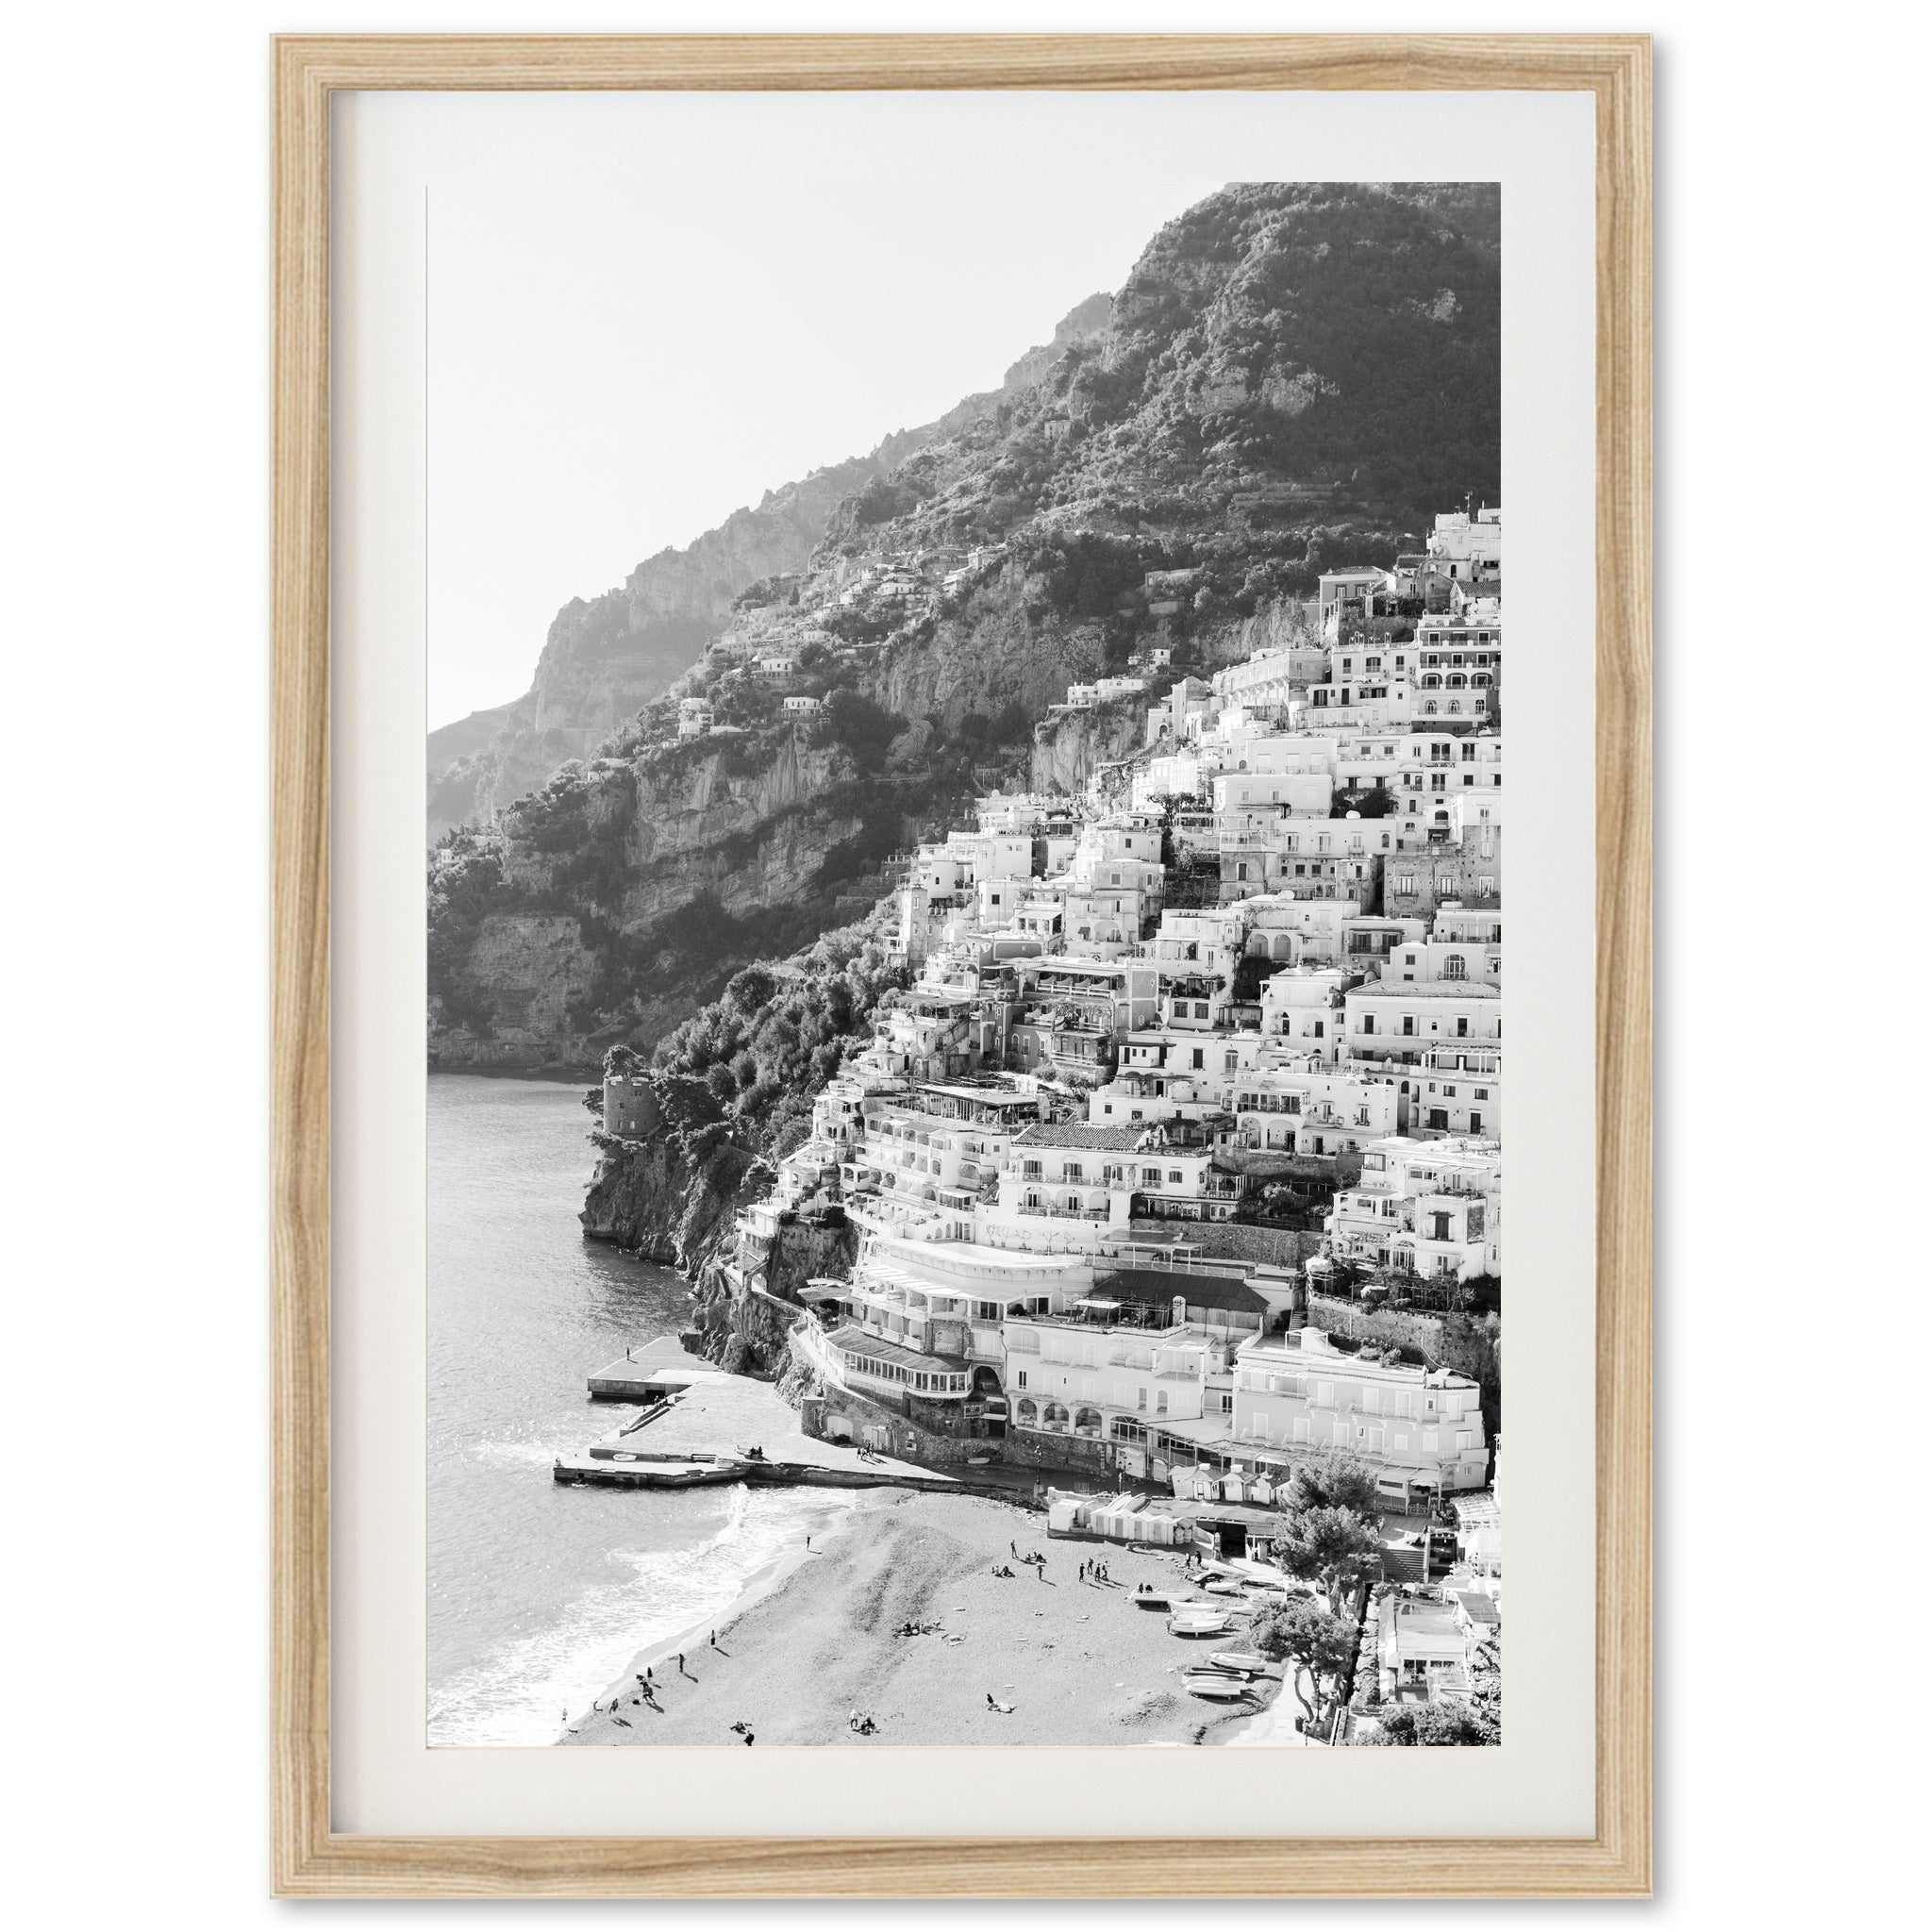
(1183, 1059)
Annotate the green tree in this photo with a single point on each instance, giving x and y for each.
(862, 725)
(1316, 1643)
(1335, 1546)
(1332, 1479)
(1436, 1723)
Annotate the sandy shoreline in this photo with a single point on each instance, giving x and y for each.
(825, 1524)
(811, 1639)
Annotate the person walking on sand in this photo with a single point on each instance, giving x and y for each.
(681, 1671)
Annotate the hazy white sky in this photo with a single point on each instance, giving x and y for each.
(613, 370)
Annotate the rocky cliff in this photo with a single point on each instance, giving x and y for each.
(746, 1329)
(1070, 748)
(672, 1194)
(615, 900)
(606, 657)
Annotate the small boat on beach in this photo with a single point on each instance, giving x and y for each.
(1252, 1662)
(1206, 1622)
(1216, 1685)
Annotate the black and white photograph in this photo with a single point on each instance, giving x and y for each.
(965, 966)
(756, 780)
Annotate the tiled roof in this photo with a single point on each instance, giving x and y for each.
(1152, 1284)
(1079, 1134)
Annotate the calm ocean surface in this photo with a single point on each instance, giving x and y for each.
(540, 1595)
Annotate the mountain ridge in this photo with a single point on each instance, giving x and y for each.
(605, 657)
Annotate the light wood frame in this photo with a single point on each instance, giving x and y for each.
(308, 1858)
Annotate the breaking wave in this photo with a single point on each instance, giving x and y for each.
(525, 1694)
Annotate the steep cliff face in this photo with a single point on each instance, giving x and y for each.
(615, 901)
(1067, 750)
(748, 1331)
(674, 1196)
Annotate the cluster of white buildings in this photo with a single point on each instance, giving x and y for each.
(1266, 949)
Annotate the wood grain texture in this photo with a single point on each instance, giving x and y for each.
(308, 1858)
(299, 1058)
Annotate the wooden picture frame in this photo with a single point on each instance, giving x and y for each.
(309, 1860)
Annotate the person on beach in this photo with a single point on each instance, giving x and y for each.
(681, 1671)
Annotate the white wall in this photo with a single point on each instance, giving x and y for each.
(135, 603)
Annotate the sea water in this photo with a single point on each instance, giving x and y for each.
(540, 1594)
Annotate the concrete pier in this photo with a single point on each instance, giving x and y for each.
(659, 1371)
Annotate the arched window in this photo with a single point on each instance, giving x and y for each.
(1480, 680)
(1455, 708)
(1072, 1203)
(1457, 682)
(1431, 682)
(1026, 1412)
(1429, 708)
(1160, 1402)
(1455, 967)
(1055, 1417)
(1087, 1423)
